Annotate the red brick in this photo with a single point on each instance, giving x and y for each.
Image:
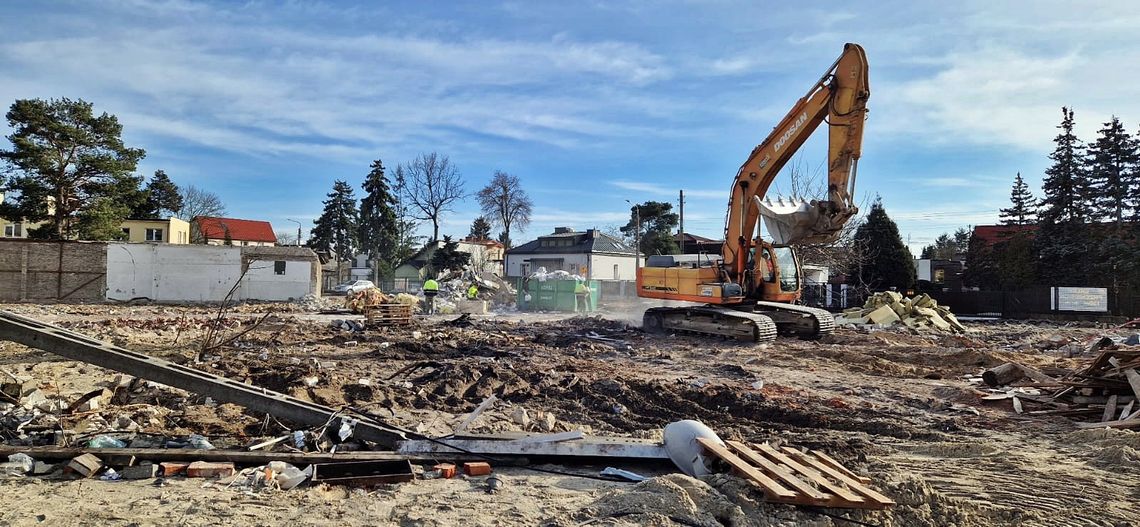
(446, 470)
(173, 468)
(206, 469)
(477, 468)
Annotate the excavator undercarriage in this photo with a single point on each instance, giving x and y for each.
(755, 322)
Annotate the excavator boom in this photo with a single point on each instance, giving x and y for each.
(840, 99)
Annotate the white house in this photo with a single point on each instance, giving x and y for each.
(592, 254)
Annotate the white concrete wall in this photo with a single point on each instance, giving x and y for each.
(602, 267)
(198, 273)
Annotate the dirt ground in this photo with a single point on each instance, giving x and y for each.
(890, 404)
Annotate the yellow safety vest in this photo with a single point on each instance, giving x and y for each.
(431, 285)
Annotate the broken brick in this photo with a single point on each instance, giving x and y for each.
(446, 470)
(477, 468)
(207, 469)
(173, 468)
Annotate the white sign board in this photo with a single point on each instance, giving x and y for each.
(1086, 299)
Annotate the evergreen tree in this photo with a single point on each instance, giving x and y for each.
(1023, 210)
(885, 261)
(1062, 238)
(378, 230)
(448, 257)
(336, 230)
(981, 266)
(64, 161)
(658, 221)
(102, 221)
(480, 229)
(162, 196)
(947, 246)
(1113, 161)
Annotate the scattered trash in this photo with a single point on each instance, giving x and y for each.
(624, 474)
(110, 475)
(495, 484)
(106, 442)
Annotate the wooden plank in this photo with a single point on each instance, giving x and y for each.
(1131, 422)
(813, 475)
(782, 473)
(839, 466)
(855, 485)
(1036, 375)
(1109, 409)
(771, 488)
(1127, 410)
(476, 413)
(1133, 380)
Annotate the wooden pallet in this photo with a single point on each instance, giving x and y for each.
(388, 314)
(790, 476)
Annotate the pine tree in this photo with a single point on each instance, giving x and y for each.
(1062, 238)
(336, 230)
(1112, 167)
(162, 197)
(480, 229)
(981, 266)
(884, 260)
(378, 230)
(1066, 181)
(448, 257)
(1024, 206)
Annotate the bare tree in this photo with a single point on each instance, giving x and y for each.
(199, 202)
(434, 184)
(506, 204)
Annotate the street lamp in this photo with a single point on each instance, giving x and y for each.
(298, 230)
(636, 235)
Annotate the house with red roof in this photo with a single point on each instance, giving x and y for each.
(232, 231)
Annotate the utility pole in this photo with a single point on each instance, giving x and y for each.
(298, 231)
(636, 236)
(681, 234)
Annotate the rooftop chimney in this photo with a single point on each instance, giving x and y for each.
(563, 230)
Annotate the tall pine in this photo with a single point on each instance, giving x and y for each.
(1062, 239)
(378, 229)
(1023, 208)
(1112, 166)
(336, 230)
(883, 260)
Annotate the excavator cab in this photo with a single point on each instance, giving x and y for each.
(776, 273)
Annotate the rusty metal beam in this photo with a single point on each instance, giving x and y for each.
(75, 346)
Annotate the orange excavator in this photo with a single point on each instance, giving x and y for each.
(751, 291)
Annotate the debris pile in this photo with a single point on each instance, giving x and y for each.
(889, 307)
(543, 275)
(1106, 391)
(358, 301)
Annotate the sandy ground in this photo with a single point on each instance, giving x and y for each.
(889, 404)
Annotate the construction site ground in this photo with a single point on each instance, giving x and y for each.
(890, 404)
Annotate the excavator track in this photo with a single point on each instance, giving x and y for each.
(800, 321)
(711, 320)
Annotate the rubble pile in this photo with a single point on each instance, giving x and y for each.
(889, 307)
(543, 275)
(359, 300)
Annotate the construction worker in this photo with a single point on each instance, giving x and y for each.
(431, 288)
(582, 296)
(472, 292)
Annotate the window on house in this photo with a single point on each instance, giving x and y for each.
(939, 276)
(616, 275)
(13, 230)
(127, 232)
(279, 267)
(154, 235)
(244, 244)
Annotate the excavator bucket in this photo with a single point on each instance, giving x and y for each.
(791, 221)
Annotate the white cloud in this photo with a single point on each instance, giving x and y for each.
(655, 189)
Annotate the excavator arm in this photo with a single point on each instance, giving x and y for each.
(838, 98)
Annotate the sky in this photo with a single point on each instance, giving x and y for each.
(589, 103)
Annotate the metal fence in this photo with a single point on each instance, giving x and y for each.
(1025, 303)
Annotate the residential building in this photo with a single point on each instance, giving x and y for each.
(693, 244)
(170, 230)
(232, 231)
(942, 275)
(592, 254)
(486, 256)
(18, 228)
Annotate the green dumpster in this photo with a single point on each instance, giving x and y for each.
(553, 295)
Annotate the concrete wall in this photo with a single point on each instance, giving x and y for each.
(599, 266)
(203, 273)
(40, 271)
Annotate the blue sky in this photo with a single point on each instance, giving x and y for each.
(589, 103)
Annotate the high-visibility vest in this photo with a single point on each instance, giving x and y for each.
(472, 292)
(581, 289)
(431, 285)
